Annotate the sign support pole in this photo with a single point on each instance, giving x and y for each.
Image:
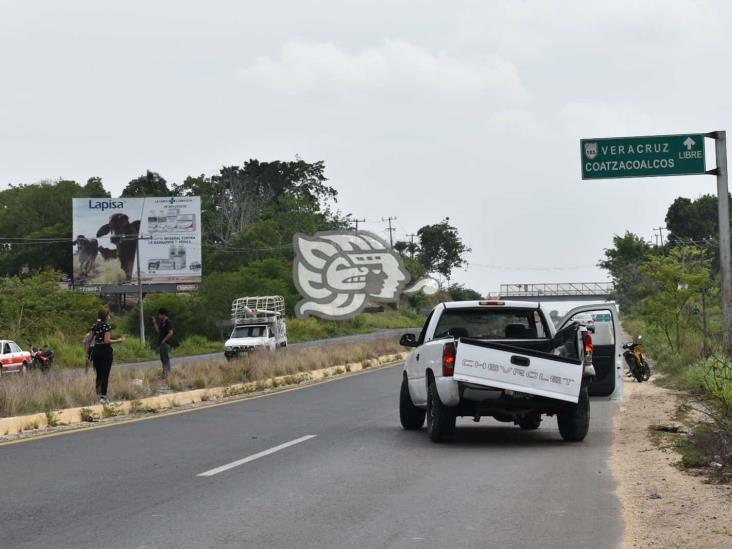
(139, 294)
(720, 138)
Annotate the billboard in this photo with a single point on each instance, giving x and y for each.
(107, 232)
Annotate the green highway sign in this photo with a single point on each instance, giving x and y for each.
(648, 156)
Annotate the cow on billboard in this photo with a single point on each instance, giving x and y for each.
(124, 236)
(87, 249)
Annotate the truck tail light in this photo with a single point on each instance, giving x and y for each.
(448, 359)
(587, 340)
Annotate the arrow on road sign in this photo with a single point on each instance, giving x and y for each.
(689, 143)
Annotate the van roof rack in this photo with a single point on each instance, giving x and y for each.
(257, 309)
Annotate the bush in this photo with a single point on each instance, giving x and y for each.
(183, 311)
(36, 306)
(196, 345)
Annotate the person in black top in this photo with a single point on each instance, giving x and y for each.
(164, 327)
(101, 354)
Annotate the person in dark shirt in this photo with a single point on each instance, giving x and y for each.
(164, 327)
(100, 341)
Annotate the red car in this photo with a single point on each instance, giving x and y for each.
(13, 358)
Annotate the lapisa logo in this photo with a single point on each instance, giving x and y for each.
(105, 205)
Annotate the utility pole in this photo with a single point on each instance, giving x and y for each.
(357, 221)
(411, 247)
(139, 291)
(660, 234)
(390, 229)
(139, 295)
(720, 138)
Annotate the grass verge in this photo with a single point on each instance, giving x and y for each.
(708, 383)
(70, 354)
(60, 389)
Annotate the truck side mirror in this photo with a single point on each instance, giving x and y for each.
(408, 340)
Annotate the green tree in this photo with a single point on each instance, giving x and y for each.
(36, 307)
(672, 282)
(406, 249)
(36, 224)
(458, 292)
(95, 188)
(624, 262)
(441, 250)
(693, 219)
(238, 196)
(149, 184)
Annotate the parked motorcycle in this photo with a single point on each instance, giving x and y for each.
(637, 364)
(42, 359)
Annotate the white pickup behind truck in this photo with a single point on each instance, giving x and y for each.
(506, 359)
(259, 324)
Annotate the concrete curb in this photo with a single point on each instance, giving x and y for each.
(89, 415)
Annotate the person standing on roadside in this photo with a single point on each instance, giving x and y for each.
(164, 327)
(100, 341)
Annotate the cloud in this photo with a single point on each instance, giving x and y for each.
(521, 122)
(395, 67)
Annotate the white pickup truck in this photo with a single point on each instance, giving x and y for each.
(506, 359)
(259, 324)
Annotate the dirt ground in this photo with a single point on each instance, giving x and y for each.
(663, 506)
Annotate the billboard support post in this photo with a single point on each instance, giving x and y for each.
(139, 294)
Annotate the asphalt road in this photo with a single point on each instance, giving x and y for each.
(359, 338)
(360, 482)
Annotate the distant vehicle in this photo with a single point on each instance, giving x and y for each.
(195, 266)
(602, 317)
(586, 319)
(13, 358)
(505, 359)
(259, 323)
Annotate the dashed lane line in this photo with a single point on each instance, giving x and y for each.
(248, 459)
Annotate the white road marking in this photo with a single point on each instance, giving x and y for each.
(258, 455)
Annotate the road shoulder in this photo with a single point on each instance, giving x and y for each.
(663, 506)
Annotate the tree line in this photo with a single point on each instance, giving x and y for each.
(673, 286)
(249, 215)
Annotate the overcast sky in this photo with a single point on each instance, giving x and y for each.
(421, 110)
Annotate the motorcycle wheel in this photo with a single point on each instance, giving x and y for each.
(646, 371)
(636, 369)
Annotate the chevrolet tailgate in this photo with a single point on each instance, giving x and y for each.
(507, 367)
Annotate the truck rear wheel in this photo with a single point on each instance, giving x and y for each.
(574, 420)
(412, 418)
(440, 418)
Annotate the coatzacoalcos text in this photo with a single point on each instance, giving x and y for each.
(622, 165)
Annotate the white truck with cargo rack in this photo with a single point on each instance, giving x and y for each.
(507, 360)
(259, 323)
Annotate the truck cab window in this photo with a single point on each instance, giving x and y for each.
(489, 323)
